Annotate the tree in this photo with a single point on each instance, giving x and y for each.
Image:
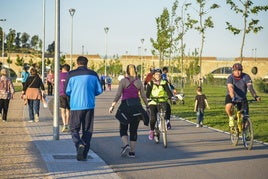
(163, 40)
(204, 23)
(17, 41)
(246, 10)
(19, 61)
(24, 39)
(182, 24)
(1, 36)
(51, 48)
(9, 61)
(10, 39)
(35, 42)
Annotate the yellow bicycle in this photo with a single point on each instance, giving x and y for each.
(242, 126)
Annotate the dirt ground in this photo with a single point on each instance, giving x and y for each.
(19, 157)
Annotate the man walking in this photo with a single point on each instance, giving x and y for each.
(82, 85)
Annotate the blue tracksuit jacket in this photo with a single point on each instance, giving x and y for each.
(82, 85)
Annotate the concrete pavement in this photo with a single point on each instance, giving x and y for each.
(60, 155)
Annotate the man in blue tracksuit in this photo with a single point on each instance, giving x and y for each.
(82, 85)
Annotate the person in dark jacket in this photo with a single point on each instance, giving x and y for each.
(82, 85)
(31, 90)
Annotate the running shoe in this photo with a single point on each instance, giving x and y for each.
(125, 151)
(131, 154)
(151, 135)
(80, 153)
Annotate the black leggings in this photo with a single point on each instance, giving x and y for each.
(133, 128)
(154, 111)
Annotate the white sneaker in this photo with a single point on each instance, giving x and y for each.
(36, 118)
(197, 125)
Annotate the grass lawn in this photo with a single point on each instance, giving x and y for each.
(216, 117)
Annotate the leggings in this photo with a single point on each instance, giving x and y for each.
(133, 128)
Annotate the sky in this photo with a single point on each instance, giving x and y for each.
(129, 21)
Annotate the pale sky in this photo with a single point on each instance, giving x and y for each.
(129, 21)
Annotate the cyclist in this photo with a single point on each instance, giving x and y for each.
(157, 88)
(168, 109)
(237, 85)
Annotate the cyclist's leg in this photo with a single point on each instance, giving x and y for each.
(245, 108)
(153, 118)
(228, 109)
(167, 115)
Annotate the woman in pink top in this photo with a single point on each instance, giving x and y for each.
(129, 88)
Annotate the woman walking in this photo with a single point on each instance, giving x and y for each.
(6, 93)
(130, 107)
(34, 92)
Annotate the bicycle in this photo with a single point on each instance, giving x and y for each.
(161, 124)
(242, 125)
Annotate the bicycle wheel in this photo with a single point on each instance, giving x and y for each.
(247, 134)
(234, 135)
(164, 131)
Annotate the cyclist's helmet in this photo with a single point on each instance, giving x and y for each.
(237, 66)
(157, 70)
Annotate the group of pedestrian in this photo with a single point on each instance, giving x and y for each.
(106, 80)
(79, 87)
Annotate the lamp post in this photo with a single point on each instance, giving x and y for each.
(3, 39)
(43, 43)
(72, 11)
(106, 29)
(82, 49)
(139, 55)
(142, 40)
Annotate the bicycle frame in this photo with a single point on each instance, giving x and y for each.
(243, 126)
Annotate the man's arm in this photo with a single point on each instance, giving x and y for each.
(253, 92)
(230, 88)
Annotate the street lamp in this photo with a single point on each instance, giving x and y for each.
(72, 11)
(43, 43)
(142, 40)
(106, 29)
(3, 39)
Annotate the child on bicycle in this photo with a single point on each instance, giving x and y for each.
(199, 107)
(157, 91)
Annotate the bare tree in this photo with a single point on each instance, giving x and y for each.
(204, 22)
(245, 8)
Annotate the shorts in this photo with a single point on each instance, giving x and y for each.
(240, 105)
(228, 99)
(64, 102)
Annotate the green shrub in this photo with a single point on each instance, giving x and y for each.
(261, 86)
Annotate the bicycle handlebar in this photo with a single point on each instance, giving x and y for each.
(244, 100)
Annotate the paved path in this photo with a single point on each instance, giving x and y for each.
(27, 150)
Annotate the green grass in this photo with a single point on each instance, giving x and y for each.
(216, 117)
